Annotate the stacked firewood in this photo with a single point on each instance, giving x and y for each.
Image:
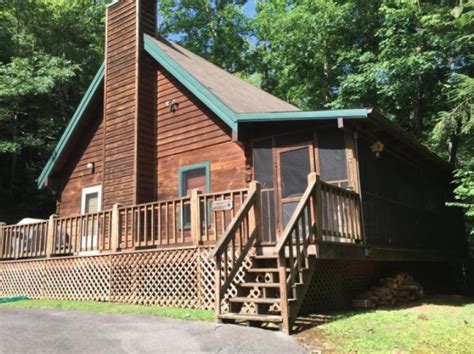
(394, 290)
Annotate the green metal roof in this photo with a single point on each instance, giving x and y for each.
(71, 127)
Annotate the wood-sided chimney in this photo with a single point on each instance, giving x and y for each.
(128, 138)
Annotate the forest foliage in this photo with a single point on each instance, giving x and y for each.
(410, 59)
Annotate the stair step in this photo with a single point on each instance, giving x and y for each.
(263, 270)
(258, 300)
(244, 317)
(265, 256)
(270, 270)
(262, 285)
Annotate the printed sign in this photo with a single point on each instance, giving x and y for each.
(222, 204)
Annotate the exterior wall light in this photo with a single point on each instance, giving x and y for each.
(377, 148)
(90, 166)
(172, 104)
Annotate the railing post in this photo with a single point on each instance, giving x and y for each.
(285, 315)
(50, 246)
(319, 209)
(115, 228)
(2, 238)
(254, 217)
(195, 217)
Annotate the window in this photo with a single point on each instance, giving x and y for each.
(193, 177)
(91, 199)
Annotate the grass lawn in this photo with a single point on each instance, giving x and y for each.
(432, 327)
(108, 307)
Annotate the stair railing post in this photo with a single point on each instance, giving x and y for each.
(313, 178)
(285, 315)
(319, 209)
(2, 238)
(115, 229)
(254, 217)
(50, 246)
(196, 217)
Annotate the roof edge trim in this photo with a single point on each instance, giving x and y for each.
(71, 127)
(303, 115)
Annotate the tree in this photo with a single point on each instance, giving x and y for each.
(45, 65)
(215, 29)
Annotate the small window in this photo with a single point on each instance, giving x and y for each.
(193, 177)
(91, 200)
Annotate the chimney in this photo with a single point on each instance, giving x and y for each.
(129, 140)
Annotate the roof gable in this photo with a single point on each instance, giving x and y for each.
(71, 127)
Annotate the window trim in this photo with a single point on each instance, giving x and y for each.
(90, 190)
(183, 169)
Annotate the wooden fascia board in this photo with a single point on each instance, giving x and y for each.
(302, 115)
(71, 127)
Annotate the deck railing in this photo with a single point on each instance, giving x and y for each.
(160, 223)
(192, 220)
(216, 212)
(82, 233)
(23, 241)
(341, 214)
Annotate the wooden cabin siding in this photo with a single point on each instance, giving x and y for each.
(120, 104)
(193, 135)
(76, 175)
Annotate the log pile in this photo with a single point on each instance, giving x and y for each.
(395, 290)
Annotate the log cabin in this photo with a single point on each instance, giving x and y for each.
(168, 150)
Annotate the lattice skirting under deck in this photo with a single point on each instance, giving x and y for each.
(169, 277)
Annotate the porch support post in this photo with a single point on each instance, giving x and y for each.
(2, 238)
(254, 218)
(196, 217)
(50, 247)
(115, 228)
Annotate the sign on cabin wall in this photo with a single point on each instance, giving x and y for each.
(222, 204)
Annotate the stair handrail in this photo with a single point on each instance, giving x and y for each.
(308, 204)
(240, 234)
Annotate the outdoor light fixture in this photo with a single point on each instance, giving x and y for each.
(377, 148)
(90, 166)
(172, 104)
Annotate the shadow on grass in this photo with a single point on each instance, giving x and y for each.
(308, 321)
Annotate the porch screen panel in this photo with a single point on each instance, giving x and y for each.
(332, 157)
(263, 168)
(295, 167)
(263, 162)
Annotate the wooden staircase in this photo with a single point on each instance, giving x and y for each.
(272, 289)
(261, 293)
